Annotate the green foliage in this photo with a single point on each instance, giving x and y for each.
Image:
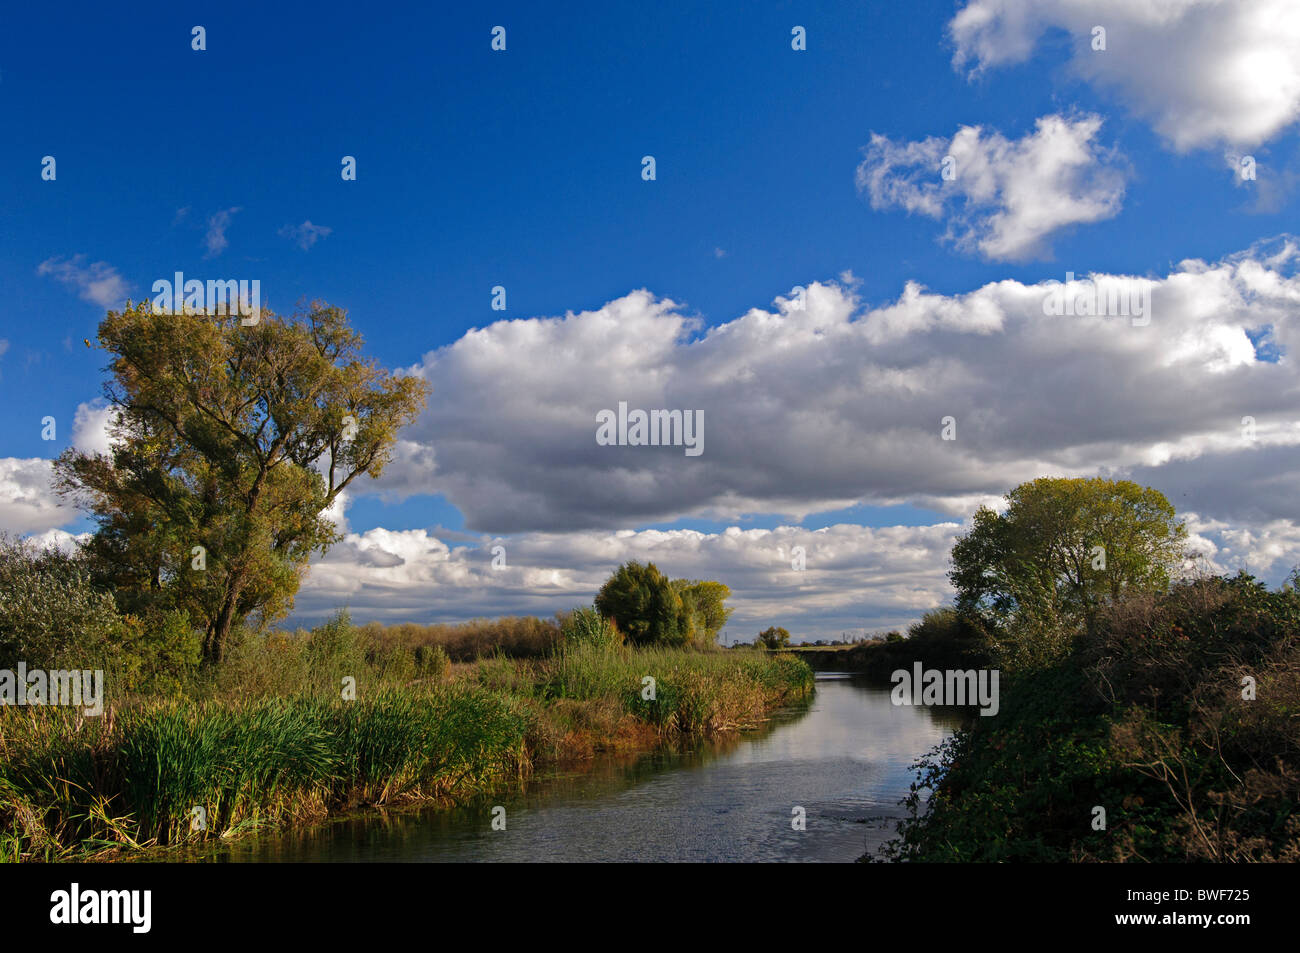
(159, 653)
(52, 617)
(774, 637)
(235, 439)
(1146, 718)
(704, 607)
(645, 605)
(586, 626)
(1062, 550)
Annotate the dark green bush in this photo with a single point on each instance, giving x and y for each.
(1146, 718)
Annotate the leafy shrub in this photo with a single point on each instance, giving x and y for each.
(431, 661)
(51, 616)
(586, 626)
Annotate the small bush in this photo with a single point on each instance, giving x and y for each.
(431, 661)
(586, 626)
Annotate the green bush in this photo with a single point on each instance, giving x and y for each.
(160, 653)
(431, 661)
(774, 637)
(645, 604)
(51, 616)
(586, 626)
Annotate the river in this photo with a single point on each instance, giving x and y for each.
(844, 758)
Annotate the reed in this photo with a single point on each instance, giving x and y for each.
(148, 771)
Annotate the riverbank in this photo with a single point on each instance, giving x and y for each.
(843, 755)
(155, 773)
(1166, 732)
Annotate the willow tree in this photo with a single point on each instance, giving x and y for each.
(229, 443)
(1063, 547)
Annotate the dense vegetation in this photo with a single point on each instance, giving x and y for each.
(651, 609)
(268, 738)
(1142, 720)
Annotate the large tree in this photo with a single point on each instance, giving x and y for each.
(1063, 547)
(643, 603)
(653, 609)
(230, 442)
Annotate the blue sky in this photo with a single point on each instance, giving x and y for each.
(523, 169)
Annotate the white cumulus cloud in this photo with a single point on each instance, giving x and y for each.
(27, 500)
(810, 410)
(1202, 72)
(1002, 198)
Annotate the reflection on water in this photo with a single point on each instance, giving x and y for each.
(845, 758)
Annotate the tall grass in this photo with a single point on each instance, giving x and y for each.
(139, 777)
(269, 740)
(690, 692)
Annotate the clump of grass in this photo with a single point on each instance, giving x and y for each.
(691, 692)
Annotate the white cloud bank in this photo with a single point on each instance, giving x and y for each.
(809, 410)
(99, 282)
(856, 578)
(816, 409)
(27, 500)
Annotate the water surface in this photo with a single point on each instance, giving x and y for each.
(844, 758)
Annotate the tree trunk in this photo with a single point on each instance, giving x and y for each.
(215, 650)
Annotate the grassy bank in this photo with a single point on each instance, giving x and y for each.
(286, 748)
